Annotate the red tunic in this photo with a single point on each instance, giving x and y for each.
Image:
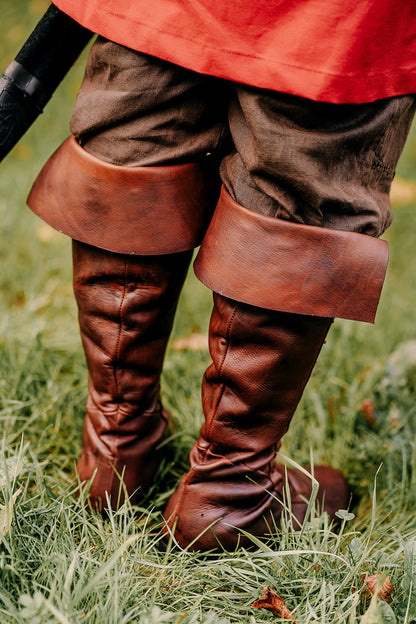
(328, 50)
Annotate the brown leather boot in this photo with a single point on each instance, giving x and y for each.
(138, 226)
(126, 311)
(262, 359)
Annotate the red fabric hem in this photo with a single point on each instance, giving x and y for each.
(239, 66)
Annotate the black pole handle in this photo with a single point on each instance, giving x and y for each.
(31, 78)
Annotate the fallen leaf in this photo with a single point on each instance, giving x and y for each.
(272, 602)
(368, 408)
(194, 342)
(383, 590)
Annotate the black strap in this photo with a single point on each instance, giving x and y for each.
(26, 82)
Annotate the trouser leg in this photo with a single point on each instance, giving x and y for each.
(313, 163)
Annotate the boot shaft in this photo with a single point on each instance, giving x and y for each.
(261, 362)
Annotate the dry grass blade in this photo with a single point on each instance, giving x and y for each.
(6, 513)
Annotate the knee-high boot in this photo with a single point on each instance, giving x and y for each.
(279, 293)
(133, 231)
(126, 311)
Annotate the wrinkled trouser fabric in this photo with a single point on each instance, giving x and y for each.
(326, 165)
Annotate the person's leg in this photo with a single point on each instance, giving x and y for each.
(283, 257)
(135, 191)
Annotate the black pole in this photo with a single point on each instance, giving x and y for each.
(31, 78)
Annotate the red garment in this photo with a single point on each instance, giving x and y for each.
(328, 50)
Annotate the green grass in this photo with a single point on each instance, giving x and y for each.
(60, 564)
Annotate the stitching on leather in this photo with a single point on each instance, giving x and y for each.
(187, 478)
(117, 354)
(220, 369)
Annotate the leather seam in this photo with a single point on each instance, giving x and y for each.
(220, 369)
(117, 354)
(188, 477)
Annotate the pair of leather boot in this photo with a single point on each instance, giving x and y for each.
(277, 287)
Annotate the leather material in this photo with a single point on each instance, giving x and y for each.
(130, 210)
(126, 310)
(261, 361)
(289, 267)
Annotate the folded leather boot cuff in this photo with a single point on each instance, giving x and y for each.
(130, 210)
(279, 265)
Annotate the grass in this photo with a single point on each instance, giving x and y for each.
(60, 564)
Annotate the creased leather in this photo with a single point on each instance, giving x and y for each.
(288, 267)
(131, 210)
(126, 310)
(261, 362)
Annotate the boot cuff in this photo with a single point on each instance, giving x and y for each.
(130, 210)
(287, 267)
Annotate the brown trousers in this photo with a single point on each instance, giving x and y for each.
(327, 165)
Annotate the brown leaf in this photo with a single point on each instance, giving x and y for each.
(272, 602)
(368, 408)
(384, 591)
